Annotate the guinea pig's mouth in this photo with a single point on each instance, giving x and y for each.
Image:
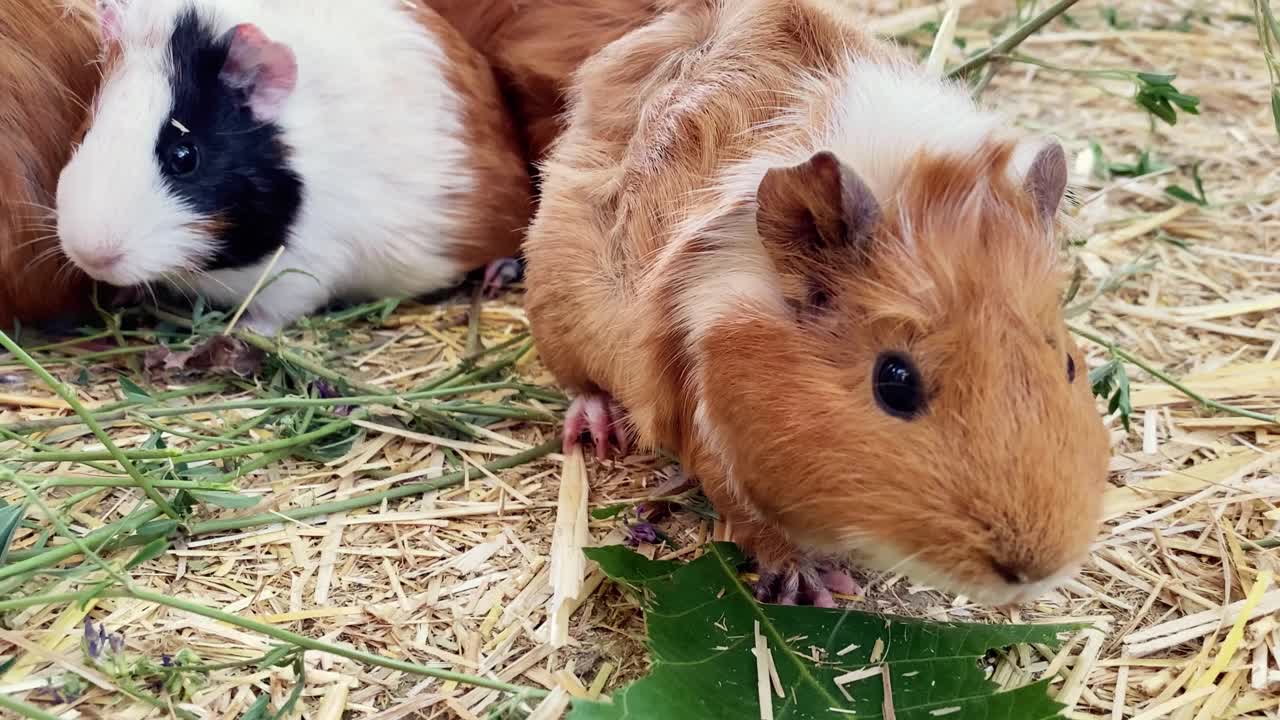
(995, 592)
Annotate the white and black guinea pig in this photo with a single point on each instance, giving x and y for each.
(366, 139)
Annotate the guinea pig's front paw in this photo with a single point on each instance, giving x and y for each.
(600, 415)
(263, 325)
(802, 582)
(500, 274)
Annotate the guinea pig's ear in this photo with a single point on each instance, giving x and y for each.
(1046, 179)
(819, 210)
(110, 20)
(264, 70)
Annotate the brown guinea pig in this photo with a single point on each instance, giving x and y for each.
(535, 46)
(829, 282)
(48, 75)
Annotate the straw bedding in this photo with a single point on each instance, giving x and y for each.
(480, 577)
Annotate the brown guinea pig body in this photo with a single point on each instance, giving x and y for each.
(535, 46)
(828, 281)
(47, 77)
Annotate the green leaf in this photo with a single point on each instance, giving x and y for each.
(299, 682)
(234, 501)
(150, 551)
(132, 391)
(605, 513)
(701, 625)
(1183, 195)
(156, 529)
(1195, 177)
(258, 710)
(1156, 78)
(276, 657)
(1275, 108)
(10, 518)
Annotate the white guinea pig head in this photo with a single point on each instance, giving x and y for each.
(184, 167)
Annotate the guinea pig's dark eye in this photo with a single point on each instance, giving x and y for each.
(182, 159)
(898, 386)
(1071, 369)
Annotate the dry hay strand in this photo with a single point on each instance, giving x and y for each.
(1180, 589)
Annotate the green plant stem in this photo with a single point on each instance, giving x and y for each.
(362, 501)
(1012, 40)
(70, 398)
(27, 442)
(94, 540)
(1171, 381)
(273, 403)
(24, 710)
(320, 370)
(35, 600)
(294, 639)
(191, 457)
(122, 482)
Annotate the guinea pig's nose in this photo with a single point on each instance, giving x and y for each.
(1018, 573)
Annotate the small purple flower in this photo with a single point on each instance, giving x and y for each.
(166, 660)
(93, 640)
(642, 533)
(327, 391)
(98, 640)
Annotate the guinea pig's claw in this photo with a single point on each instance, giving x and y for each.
(499, 274)
(599, 415)
(796, 585)
(839, 581)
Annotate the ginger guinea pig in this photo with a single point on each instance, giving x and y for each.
(828, 281)
(47, 76)
(535, 46)
(366, 139)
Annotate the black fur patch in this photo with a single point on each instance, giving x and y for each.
(242, 179)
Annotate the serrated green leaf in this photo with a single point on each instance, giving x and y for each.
(10, 518)
(701, 624)
(234, 501)
(133, 391)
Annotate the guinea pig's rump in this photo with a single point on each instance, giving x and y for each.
(47, 77)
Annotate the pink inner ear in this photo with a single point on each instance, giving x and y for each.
(109, 20)
(264, 69)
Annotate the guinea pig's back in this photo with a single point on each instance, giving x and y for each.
(536, 46)
(47, 77)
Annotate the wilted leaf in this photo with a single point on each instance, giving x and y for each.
(220, 353)
(701, 625)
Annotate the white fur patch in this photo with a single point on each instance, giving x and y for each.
(112, 200)
(374, 131)
(885, 113)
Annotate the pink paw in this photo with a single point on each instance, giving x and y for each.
(598, 414)
(804, 583)
(500, 274)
